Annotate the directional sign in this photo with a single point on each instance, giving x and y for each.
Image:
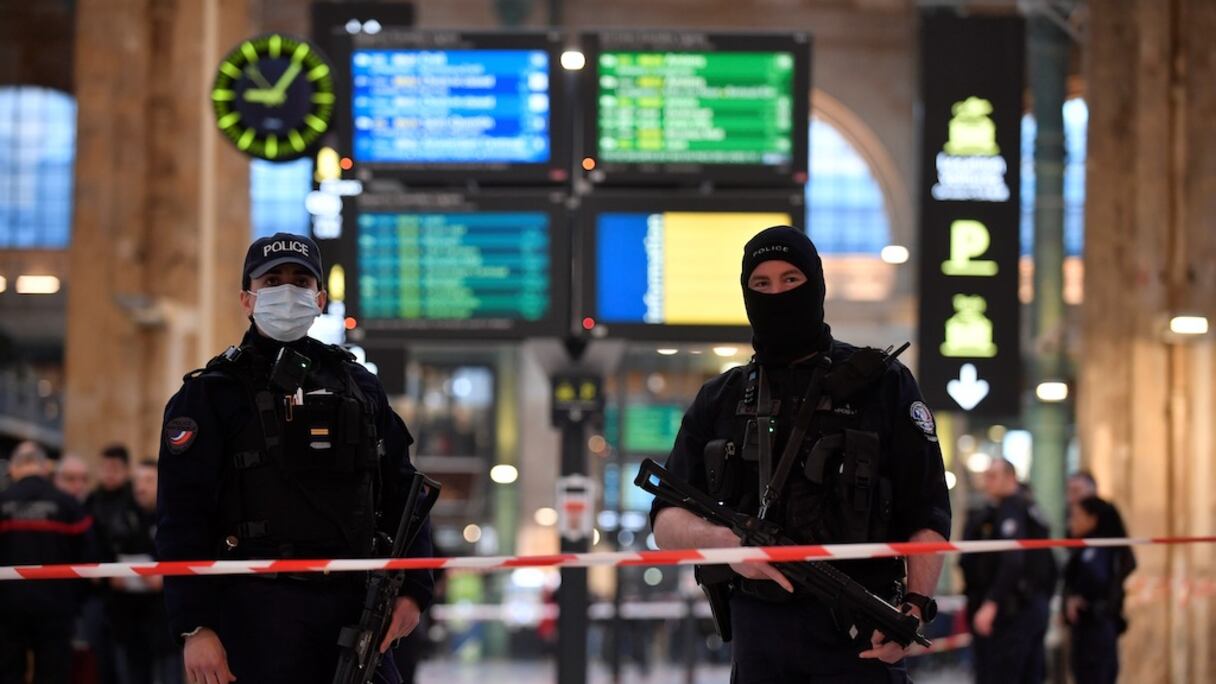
(969, 311)
(576, 398)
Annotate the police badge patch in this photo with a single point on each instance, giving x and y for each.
(923, 418)
(180, 434)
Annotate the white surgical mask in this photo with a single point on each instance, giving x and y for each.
(285, 312)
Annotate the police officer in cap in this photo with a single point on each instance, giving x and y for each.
(283, 447)
(869, 469)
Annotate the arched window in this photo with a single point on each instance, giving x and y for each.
(845, 209)
(276, 196)
(37, 153)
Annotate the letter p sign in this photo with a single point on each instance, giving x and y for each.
(968, 239)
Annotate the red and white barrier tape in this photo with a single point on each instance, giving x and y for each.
(747, 554)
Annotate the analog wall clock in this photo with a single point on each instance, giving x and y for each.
(274, 97)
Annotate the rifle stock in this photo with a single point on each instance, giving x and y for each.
(826, 583)
(360, 644)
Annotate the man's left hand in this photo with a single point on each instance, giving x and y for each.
(889, 652)
(406, 615)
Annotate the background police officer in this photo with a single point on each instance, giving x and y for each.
(1008, 593)
(283, 447)
(869, 469)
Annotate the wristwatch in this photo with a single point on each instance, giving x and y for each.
(926, 605)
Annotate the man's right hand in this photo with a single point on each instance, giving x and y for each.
(677, 528)
(753, 571)
(206, 660)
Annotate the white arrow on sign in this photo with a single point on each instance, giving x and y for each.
(968, 390)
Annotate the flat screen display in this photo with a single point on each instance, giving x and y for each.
(670, 269)
(451, 106)
(696, 107)
(689, 107)
(453, 266)
(448, 108)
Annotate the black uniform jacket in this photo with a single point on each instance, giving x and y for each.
(892, 407)
(189, 520)
(40, 525)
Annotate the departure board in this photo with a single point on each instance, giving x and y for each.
(687, 108)
(454, 266)
(668, 268)
(451, 106)
(698, 107)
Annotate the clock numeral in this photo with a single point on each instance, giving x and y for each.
(249, 51)
(318, 71)
(315, 123)
(300, 53)
(223, 95)
(272, 146)
(230, 70)
(228, 120)
(297, 143)
(323, 98)
(276, 45)
(246, 139)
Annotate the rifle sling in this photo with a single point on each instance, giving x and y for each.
(793, 445)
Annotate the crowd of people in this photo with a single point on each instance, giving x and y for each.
(52, 512)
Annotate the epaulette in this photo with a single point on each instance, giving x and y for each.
(857, 373)
(230, 357)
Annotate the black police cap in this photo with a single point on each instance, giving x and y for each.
(268, 253)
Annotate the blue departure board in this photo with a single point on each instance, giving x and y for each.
(424, 106)
(454, 266)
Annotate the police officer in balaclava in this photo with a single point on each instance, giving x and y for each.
(869, 470)
(282, 447)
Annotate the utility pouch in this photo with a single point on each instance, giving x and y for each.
(719, 456)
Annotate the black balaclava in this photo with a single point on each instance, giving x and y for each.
(789, 325)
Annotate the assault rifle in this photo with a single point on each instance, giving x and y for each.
(823, 581)
(360, 644)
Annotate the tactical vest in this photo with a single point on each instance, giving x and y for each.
(838, 492)
(299, 480)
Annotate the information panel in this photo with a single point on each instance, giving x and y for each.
(668, 268)
(453, 107)
(446, 106)
(448, 263)
(728, 108)
(972, 69)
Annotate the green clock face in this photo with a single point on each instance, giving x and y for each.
(274, 97)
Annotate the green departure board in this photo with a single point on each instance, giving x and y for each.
(696, 107)
(458, 266)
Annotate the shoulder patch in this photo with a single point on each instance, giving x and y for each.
(180, 433)
(923, 418)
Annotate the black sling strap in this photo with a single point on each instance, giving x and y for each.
(764, 428)
(793, 445)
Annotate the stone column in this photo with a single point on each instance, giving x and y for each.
(1147, 402)
(161, 216)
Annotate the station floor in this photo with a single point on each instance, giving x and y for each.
(544, 672)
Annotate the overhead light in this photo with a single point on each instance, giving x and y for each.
(1189, 325)
(573, 60)
(504, 473)
(545, 517)
(472, 533)
(895, 254)
(371, 27)
(3, 284)
(726, 352)
(978, 462)
(668, 352)
(1051, 391)
(37, 284)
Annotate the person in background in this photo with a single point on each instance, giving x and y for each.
(1008, 593)
(1093, 592)
(112, 505)
(1081, 485)
(39, 525)
(72, 477)
(146, 651)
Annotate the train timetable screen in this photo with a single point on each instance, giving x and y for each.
(451, 106)
(696, 107)
(458, 266)
(674, 268)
